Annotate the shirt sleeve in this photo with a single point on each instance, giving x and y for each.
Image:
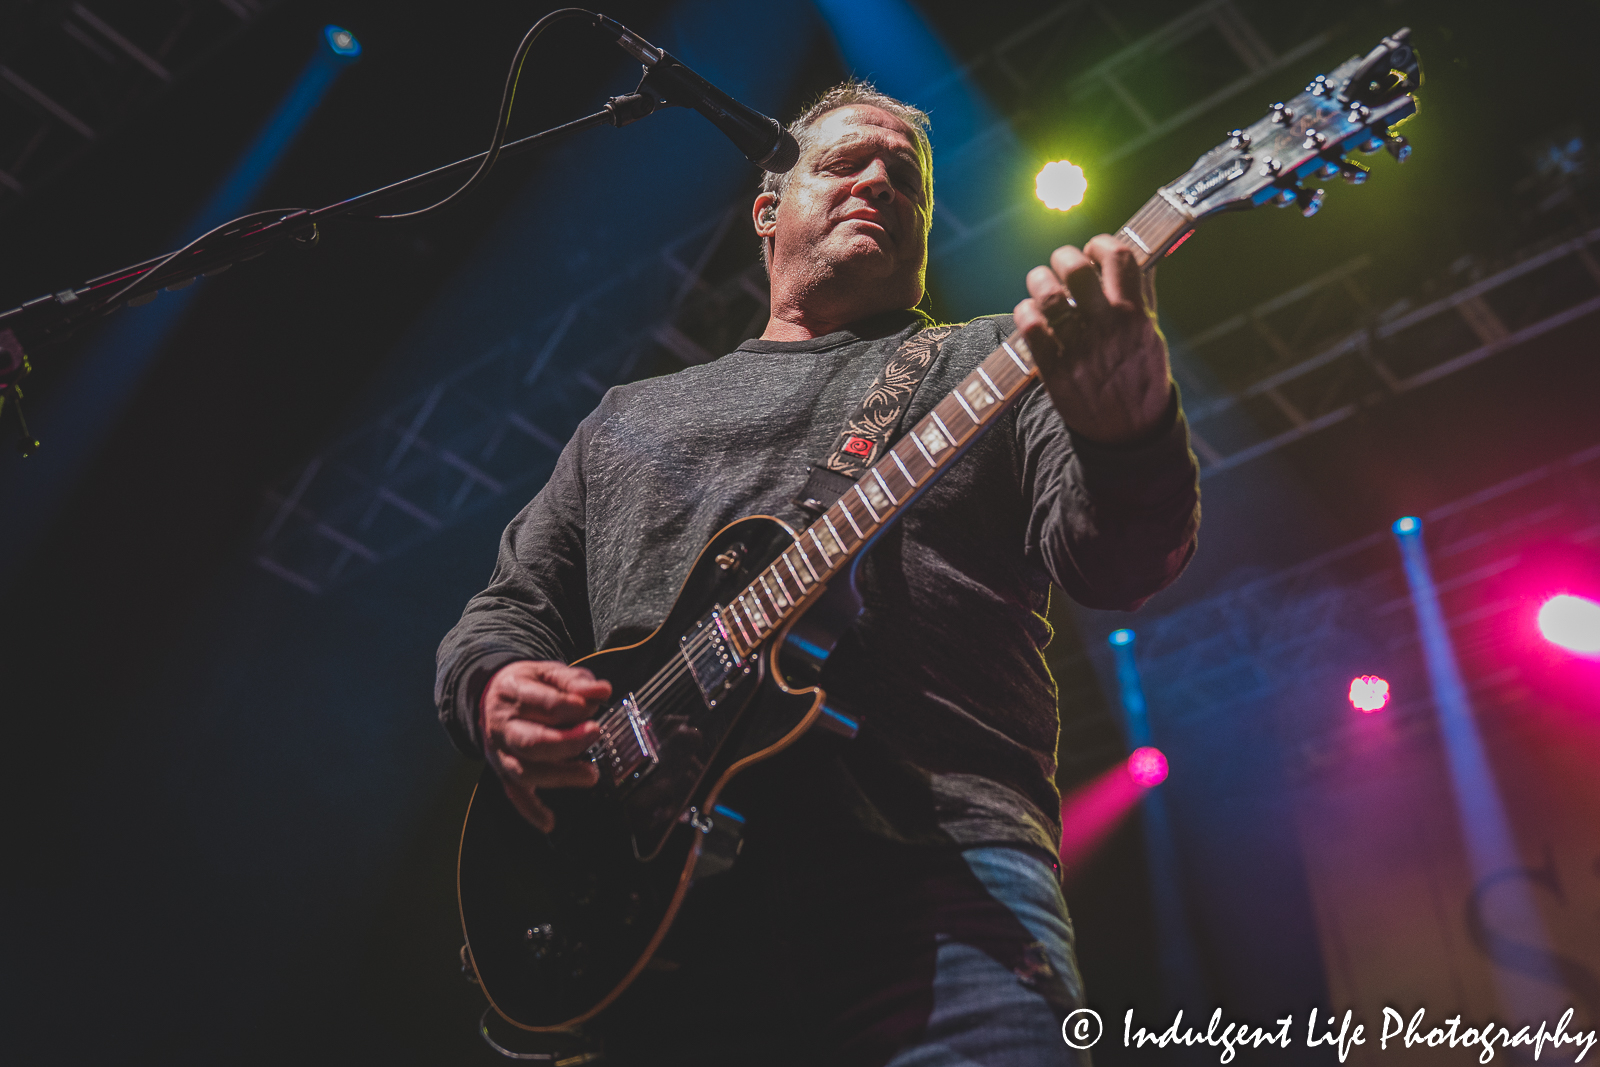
(536, 606)
(1112, 524)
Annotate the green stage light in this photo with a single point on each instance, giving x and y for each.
(1061, 185)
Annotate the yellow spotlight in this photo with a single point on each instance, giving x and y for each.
(1061, 185)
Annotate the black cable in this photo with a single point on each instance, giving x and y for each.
(105, 305)
(505, 110)
(495, 144)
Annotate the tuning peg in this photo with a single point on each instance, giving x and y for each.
(1353, 172)
(1310, 201)
(1359, 113)
(1370, 145)
(1398, 147)
(1285, 197)
(1328, 169)
(1282, 112)
(1270, 167)
(1238, 139)
(1320, 86)
(1314, 141)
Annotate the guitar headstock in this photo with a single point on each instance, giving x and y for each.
(1352, 109)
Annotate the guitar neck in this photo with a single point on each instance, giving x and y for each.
(851, 524)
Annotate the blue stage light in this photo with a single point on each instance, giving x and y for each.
(342, 41)
(1408, 525)
(1121, 637)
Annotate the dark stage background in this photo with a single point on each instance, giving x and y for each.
(230, 816)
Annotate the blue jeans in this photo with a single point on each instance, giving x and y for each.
(881, 957)
(989, 1007)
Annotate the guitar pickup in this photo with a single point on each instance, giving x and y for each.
(710, 657)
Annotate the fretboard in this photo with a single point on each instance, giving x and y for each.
(915, 462)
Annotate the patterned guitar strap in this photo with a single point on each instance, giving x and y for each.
(866, 432)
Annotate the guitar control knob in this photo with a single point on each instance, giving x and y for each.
(1398, 147)
(1315, 141)
(1282, 112)
(1270, 167)
(1359, 114)
(1310, 201)
(1238, 139)
(1320, 86)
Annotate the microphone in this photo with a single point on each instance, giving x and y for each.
(763, 140)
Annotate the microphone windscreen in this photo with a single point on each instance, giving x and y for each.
(784, 156)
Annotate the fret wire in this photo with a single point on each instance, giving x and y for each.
(755, 597)
(999, 394)
(833, 530)
(777, 576)
(937, 421)
(798, 583)
(777, 605)
(749, 644)
(851, 519)
(976, 422)
(827, 559)
(755, 624)
(800, 550)
(1001, 374)
(912, 482)
(1014, 357)
(916, 439)
(756, 589)
(870, 509)
(763, 623)
(883, 485)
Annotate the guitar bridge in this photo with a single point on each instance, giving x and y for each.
(627, 746)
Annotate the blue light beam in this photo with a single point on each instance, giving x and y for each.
(75, 418)
(1485, 829)
(1180, 969)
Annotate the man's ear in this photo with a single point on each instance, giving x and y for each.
(764, 212)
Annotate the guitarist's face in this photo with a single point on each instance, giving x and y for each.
(852, 225)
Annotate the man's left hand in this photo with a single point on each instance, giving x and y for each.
(1103, 362)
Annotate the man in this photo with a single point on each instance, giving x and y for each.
(897, 900)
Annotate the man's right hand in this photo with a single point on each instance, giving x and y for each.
(536, 723)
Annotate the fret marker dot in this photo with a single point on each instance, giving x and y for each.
(1061, 185)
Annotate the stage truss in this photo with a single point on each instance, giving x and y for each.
(72, 70)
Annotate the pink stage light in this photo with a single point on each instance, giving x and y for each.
(1572, 622)
(1147, 766)
(1369, 693)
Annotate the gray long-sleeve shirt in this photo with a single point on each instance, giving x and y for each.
(945, 665)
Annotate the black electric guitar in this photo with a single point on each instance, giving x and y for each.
(558, 925)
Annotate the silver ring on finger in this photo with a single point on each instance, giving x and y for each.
(1061, 312)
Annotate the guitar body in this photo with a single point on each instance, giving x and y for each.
(558, 924)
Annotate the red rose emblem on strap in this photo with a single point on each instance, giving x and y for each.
(858, 446)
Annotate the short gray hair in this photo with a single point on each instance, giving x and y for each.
(848, 93)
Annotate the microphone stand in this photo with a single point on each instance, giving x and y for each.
(51, 318)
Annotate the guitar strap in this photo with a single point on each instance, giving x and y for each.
(866, 433)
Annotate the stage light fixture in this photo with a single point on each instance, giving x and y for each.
(1368, 693)
(1408, 525)
(342, 41)
(1061, 185)
(1147, 766)
(1121, 637)
(1571, 622)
